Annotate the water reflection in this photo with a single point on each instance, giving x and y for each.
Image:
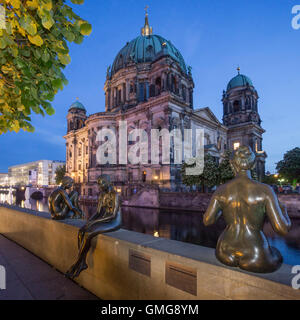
(188, 227)
(182, 226)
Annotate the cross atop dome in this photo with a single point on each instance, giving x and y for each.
(146, 30)
(238, 69)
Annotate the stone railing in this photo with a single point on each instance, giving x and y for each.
(130, 265)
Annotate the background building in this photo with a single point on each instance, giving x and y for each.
(4, 179)
(37, 173)
(150, 87)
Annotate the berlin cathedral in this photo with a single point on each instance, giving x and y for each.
(150, 86)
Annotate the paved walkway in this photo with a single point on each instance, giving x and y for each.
(30, 278)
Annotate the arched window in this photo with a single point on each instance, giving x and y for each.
(158, 85)
(173, 83)
(152, 90)
(236, 106)
(131, 88)
(183, 89)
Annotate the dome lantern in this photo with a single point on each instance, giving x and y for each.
(146, 30)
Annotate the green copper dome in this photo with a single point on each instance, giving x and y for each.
(146, 48)
(239, 81)
(77, 105)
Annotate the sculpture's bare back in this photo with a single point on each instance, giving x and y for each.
(244, 204)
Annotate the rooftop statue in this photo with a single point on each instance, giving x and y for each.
(63, 205)
(106, 219)
(244, 204)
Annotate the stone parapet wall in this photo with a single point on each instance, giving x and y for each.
(195, 201)
(130, 265)
(185, 200)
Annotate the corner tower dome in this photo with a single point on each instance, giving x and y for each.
(239, 81)
(77, 105)
(146, 48)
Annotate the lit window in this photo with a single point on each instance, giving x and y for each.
(236, 145)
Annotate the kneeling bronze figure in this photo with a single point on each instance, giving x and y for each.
(63, 205)
(106, 219)
(244, 204)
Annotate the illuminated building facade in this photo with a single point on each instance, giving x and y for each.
(150, 87)
(36, 173)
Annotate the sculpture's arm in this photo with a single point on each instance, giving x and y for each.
(109, 217)
(277, 213)
(213, 211)
(99, 206)
(117, 205)
(98, 213)
(66, 199)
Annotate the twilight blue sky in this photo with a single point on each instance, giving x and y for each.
(214, 36)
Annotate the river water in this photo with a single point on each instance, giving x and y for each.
(185, 226)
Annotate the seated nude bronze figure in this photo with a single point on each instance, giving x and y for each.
(63, 205)
(245, 204)
(106, 219)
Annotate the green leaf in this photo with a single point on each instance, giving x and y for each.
(3, 43)
(50, 110)
(45, 56)
(85, 29)
(57, 84)
(77, 1)
(64, 58)
(69, 36)
(47, 20)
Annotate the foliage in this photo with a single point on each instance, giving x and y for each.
(33, 52)
(213, 173)
(209, 177)
(270, 179)
(60, 173)
(289, 167)
(225, 171)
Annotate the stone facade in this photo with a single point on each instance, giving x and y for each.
(150, 87)
(241, 117)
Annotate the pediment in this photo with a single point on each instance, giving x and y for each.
(207, 114)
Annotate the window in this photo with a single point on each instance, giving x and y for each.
(119, 96)
(144, 176)
(236, 106)
(183, 93)
(86, 149)
(236, 145)
(158, 85)
(131, 88)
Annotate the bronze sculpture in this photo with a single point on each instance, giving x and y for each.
(63, 205)
(106, 219)
(244, 204)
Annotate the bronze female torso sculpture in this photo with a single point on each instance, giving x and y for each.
(106, 219)
(244, 204)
